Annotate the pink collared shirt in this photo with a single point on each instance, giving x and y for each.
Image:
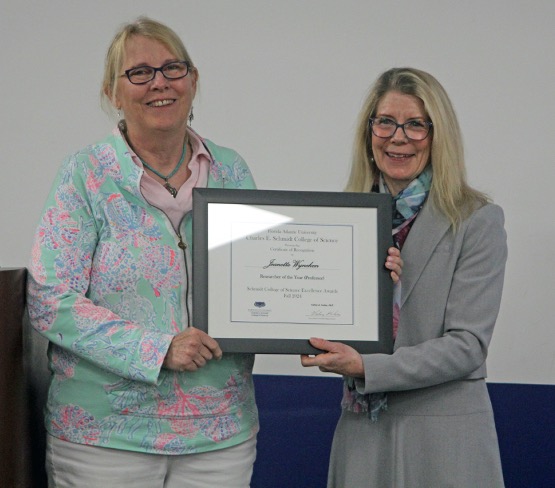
(155, 193)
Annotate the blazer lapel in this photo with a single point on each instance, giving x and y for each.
(426, 233)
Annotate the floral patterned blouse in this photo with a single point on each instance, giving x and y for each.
(109, 287)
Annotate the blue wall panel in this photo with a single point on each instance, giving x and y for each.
(297, 420)
(298, 416)
(525, 421)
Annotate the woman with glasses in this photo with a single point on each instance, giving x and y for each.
(421, 417)
(138, 396)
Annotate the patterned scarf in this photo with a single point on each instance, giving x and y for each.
(406, 205)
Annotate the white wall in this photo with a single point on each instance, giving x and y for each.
(282, 82)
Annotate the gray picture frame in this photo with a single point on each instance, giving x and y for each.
(208, 299)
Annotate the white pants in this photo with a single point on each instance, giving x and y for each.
(75, 465)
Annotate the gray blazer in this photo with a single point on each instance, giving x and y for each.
(450, 298)
(438, 429)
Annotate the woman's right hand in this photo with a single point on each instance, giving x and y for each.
(190, 350)
(394, 263)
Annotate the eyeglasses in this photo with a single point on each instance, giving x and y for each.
(171, 71)
(415, 129)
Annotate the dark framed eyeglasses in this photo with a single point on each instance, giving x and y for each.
(171, 71)
(414, 129)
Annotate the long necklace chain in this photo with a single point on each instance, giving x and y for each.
(167, 186)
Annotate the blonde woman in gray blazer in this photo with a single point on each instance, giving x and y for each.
(421, 417)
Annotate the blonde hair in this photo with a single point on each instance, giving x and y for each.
(145, 27)
(450, 192)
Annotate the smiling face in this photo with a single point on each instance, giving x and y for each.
(400, 159)
(160, 104)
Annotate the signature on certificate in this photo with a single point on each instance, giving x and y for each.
(320, 313)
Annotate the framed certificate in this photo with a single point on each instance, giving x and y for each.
(273, 268)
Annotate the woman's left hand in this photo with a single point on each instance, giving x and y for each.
(336, 358)
(394, 263)
(190, 350)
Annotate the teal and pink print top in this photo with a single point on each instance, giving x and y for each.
(109, 287)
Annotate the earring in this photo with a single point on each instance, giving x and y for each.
(191, 116)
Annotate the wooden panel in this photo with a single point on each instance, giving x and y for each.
(13, 404)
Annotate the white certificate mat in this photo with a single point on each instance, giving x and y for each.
(268, 276)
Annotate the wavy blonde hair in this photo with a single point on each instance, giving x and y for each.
(450, 192)
(145, 27)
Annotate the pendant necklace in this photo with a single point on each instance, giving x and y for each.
(167, 186)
